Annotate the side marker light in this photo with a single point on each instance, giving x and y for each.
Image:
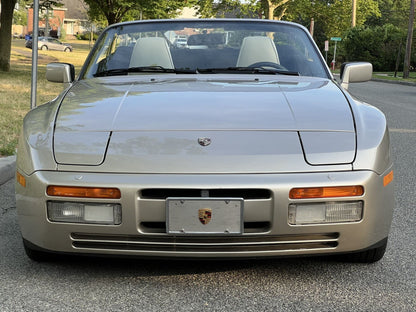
(388, 178)
(20, 179)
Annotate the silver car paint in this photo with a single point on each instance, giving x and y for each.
(288, 169)
(140, 113)
(366, 163)
(136, 211)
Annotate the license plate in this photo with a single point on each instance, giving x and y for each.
(201, 216)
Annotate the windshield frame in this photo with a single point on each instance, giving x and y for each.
(202, 23)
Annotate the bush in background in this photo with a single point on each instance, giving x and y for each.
(86, 36)
(379, 45)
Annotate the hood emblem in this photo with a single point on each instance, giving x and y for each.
(204, 141)
(205, 215)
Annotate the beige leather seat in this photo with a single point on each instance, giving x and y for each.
(151, 51)
(257, 49)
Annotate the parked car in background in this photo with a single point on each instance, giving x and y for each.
(49, 43)
(18, 36)
(240, 144)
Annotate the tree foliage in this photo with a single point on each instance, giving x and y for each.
(379, 45)
(49, 4)
(395, 12)
(226, 8)
(20, 15)
(6, 21)
(116, 11)
(334, 16)
(270, 9)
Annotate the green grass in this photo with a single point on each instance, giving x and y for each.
(15, 87)
(399, 76)
(389, 76)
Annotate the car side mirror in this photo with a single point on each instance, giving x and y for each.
(355, 72)
(60, 72)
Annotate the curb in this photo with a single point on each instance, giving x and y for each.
(405, 83)
(7, 168)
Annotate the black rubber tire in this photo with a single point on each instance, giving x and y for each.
(36, 255)
(367, 256)
(44, 48)
(67, 50)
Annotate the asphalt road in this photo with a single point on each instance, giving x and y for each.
(307, 284)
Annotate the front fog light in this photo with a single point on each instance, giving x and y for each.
(92, 213)
(326, 212)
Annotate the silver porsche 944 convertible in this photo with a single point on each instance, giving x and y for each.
(236, 143)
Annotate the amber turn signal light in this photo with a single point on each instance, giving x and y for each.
(84, 192)
(388, 178)
(20, 179)
(324, 192)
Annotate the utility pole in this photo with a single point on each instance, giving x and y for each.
(354, 13)
(408, 53)
(311, 29)
(47, 22)
(33, 89)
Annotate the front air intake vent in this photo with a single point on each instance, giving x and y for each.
(216, 246)
(218, 193)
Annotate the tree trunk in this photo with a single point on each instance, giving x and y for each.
(271, 8)
(273, 5)
(406, 66)
(6, 21)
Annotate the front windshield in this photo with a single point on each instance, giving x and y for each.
(204, 47)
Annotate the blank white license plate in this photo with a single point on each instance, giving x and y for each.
(200, 216)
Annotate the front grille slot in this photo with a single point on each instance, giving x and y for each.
(212, 244)
(185, 248)
(218, 193)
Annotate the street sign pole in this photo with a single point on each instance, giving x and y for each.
(326, 51)
(336, 39)
(34, 54)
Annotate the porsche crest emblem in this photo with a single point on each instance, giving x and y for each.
(205, 215)
(204, 141)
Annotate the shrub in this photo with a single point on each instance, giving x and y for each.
(379, 45)
(86, 36)
(63, 33)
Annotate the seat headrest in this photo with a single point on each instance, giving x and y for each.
(151, 51)
(257, 49)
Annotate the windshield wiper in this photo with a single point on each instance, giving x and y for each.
(245, 70)
(160, 69)
(143, 69)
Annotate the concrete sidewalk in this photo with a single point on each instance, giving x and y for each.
(7, 168)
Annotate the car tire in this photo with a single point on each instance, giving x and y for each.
(367, 256)
(67, 50)
(44, 48)
(35, 254)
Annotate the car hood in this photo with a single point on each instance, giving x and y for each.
(142, 124)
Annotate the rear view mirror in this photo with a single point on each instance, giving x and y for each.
(355, 72)
(60, 72)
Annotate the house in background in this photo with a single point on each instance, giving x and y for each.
(55, 20)
(76, 19)
(70, 19)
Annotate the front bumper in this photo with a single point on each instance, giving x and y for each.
(266, 228)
